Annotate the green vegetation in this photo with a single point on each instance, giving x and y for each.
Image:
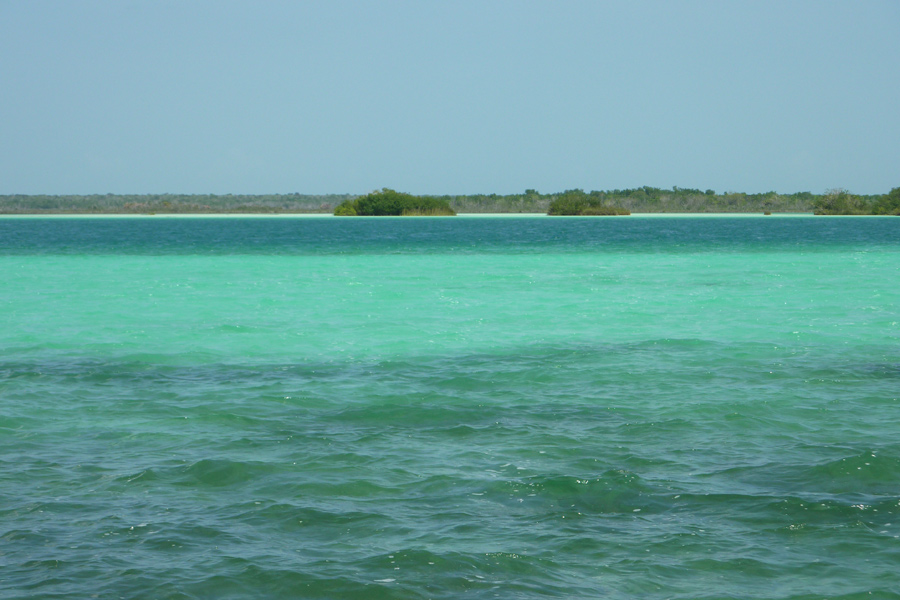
(644, 199)
(576, 202)
(648, 199)
(842, 202)
(170, 203)
(390, 203)
(889, 204)
(637, 200)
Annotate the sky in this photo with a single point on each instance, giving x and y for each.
(461, 97)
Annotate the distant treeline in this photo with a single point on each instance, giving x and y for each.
(171, 203)
(638, 200)
(842, 202)
(579, 203)
(653, 200)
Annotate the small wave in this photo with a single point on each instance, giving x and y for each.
(870, 472)
(222, 472)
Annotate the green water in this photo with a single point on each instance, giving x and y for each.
(636, 407)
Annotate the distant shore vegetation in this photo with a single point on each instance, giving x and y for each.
(636, 200)
(842, 202)
(390, 203)
(171, 203)
(579, 203)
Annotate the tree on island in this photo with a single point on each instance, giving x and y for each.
(840, 202)
(388, 202)
(889, 204)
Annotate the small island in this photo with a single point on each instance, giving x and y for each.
(578, 203)
(392, 203)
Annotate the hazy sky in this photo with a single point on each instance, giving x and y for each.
(222, 96)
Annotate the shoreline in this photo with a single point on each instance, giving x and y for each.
(459, 215)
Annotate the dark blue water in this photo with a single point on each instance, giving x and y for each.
(322, 235)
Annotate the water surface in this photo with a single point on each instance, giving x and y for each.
(481, 407)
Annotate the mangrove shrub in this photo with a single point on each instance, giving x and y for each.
(840, 202)
(392, 203)
(577, 202)
(889, 204)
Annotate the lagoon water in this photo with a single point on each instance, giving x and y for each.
(470, 407)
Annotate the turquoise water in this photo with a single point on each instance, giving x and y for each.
(521, 408)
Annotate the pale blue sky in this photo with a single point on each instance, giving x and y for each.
(447, 97)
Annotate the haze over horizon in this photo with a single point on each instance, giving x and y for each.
(447, 98)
